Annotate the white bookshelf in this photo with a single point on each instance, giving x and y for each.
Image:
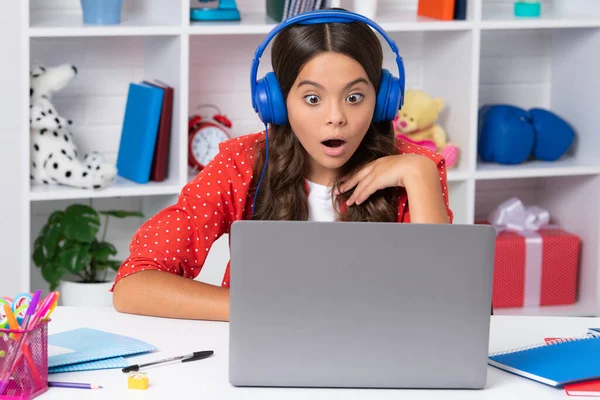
(490, 57)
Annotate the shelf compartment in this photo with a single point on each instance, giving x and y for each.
(548, 69)
(429, 58)
(498, 14)
(139, 17)
(119, 231)
(96, 99)
(442, 64)
(572, 204)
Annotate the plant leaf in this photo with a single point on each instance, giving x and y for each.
(81, 223)
(53, 273)
(123, 214)
(101, 251)
(47, 241)
(75, 257)
(114, 264)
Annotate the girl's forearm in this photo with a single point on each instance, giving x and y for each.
(162, 294)
(427, 204)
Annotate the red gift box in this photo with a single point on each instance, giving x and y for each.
(535, 264)
(534, 271)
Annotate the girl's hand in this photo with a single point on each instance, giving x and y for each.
(390, 171)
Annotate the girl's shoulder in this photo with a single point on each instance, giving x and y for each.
(240, 145)
(406, 147)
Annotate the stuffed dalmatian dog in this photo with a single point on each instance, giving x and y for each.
(54, 156)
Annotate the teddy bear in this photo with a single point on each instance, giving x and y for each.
(416, 123)
(54, 155)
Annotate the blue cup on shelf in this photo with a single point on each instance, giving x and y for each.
(101, 12)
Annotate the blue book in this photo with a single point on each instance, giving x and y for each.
(556, 364)
(139, 132)
(460, 9)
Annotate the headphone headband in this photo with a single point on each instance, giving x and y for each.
(320, 17)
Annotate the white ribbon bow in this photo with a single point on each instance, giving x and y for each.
(513, 215)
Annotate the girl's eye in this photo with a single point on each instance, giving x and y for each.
(311, 99)
(354, 98)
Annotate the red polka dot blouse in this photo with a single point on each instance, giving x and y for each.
(177, 239)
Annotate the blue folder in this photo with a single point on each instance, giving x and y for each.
(139, 132)
(556, 363)
(107, 363)
(93, 345)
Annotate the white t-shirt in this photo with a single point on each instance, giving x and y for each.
(320, 206)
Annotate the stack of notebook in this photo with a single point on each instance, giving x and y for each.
(144, 146)
(571, 363)
(283, 9)
(88, 349)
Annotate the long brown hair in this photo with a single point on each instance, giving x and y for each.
(282, 195)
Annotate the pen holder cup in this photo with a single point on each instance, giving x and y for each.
(24, 362)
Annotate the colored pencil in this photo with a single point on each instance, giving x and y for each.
(73, 385)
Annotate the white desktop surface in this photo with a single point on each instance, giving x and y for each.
(208, 378)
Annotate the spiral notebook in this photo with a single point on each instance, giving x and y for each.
(556, 363)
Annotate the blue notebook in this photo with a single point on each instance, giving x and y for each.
(92, 345)
(556, 363)
(139, 132)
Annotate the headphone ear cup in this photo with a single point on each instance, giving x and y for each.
(269, 101)
(394, 99)
(388, 97)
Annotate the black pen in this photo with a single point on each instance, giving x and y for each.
(198, 355)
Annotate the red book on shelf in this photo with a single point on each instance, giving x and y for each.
(437, 9)
(160, 162)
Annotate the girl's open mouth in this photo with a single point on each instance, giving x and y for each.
(333, 147)
(333, 143)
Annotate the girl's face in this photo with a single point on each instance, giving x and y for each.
(330, 108)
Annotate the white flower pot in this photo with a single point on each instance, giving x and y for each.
(76, 294)
(367, 8)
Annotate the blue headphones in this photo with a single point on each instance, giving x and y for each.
(267, 98)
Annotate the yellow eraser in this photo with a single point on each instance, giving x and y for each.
(137, 380)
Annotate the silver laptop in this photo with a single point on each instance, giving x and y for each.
(363, 305)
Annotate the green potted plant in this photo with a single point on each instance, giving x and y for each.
(68, 246)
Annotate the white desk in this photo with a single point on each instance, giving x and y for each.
(208, 379)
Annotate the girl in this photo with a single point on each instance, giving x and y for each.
(328, 162)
